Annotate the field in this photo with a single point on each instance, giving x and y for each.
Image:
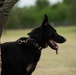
(51, 64)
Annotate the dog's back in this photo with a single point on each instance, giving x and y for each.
(16, 58)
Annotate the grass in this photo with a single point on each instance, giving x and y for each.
(50, 63)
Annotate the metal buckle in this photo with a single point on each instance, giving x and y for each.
(40, 48)
(22, 41)
(36, 44)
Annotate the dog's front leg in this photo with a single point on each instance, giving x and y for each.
(30, 68)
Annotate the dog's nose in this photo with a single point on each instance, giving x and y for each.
(61, 39)
(64, 40)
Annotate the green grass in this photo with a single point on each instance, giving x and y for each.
(50, 63)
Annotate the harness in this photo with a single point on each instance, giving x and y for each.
(29, 40)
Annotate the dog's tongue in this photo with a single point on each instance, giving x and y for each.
(56, 51)
(55, 46)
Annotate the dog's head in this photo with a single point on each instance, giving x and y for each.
(47, 35)
(51, 34)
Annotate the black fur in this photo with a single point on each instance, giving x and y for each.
(20, 58)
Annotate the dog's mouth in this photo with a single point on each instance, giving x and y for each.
(53, 45)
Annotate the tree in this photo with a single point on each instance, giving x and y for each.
(67, 2)
(42, 3)
(72, 5)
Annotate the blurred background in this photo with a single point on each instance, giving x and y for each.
(28, 14)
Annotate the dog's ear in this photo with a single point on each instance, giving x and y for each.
(45, 21)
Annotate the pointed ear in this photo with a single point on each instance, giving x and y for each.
(45, 21)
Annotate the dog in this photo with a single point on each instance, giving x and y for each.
(21, 56)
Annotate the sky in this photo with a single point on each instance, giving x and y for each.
(32, 2)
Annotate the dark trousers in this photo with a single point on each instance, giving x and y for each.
(5, 8)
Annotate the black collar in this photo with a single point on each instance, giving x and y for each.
(29, 40)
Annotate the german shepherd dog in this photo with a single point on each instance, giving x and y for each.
(21, 56)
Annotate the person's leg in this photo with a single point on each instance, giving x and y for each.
(1, 2)
(4, 12)
(5, 8)
(1, 26)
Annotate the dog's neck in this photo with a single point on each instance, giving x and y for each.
(39, 37)
(41, 42)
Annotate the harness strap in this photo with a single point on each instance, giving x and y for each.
(29, 40)
(22, 41)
